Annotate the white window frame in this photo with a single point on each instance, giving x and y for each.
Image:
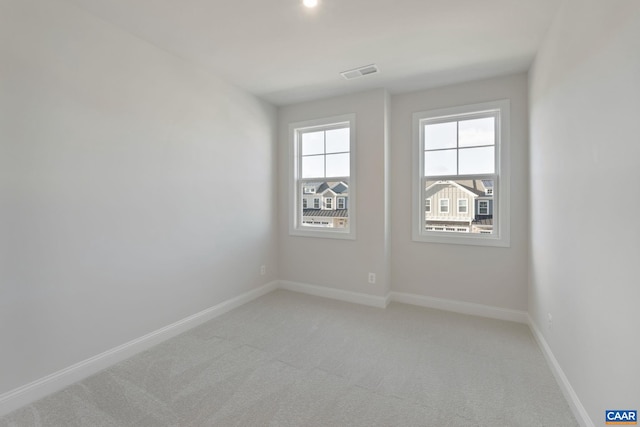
(466, 205)
(328, 203)
(479, 208)
(316, 203)
(305, 204)
(440, 206)
(341, 201)
(501, 203)
(296, 182)
(427, 205)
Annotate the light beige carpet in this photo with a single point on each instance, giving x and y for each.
(288, 359)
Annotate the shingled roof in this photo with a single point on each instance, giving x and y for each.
(338, 213)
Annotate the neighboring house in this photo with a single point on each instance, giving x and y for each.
(461, 206)
(325, 204)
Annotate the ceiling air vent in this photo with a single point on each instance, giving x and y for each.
(359, 72)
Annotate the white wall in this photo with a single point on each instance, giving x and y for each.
(136, 189)
(483, 275)
(585, 151)
(333, 263)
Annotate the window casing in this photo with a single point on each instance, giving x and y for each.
(328, 203)
(322, 157)
(444, 205)
(483, 207)
(463, 206)
(462, 153)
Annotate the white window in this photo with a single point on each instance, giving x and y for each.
(463, 152)
(304, 203)
(328, 203)
(483, 207)
(309, 190)
(323, 158)
(427, 206)
(444, 205)
(463, 206)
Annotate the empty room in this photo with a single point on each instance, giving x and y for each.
(319, 213)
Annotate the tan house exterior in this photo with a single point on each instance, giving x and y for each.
(461, 206)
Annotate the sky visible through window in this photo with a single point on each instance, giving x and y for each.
(325, 154)
(464, 147)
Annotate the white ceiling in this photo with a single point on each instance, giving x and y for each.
(285, 53)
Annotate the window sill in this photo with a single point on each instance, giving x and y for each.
(475, 240)
(324, 234)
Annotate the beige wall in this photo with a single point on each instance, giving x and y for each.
(305, 259)
(483, 275)
(135, 189)
(585, 105)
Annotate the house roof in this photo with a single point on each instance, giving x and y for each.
(338, 213)
(337, 187)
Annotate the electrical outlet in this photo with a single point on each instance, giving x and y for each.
(550, 320)
(372, 278)
(263, 270)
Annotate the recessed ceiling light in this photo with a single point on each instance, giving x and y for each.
(310, 3)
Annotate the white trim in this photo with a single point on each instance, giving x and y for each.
(343, 200)
(461, 307)
(56, 381)
(333, 293)
(295, 218)
(440, 206)
(480, 208)
(466, 206)
(501, 205)
(569, 393)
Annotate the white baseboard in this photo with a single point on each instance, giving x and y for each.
(569, 393)
(461, 307)
(333, 293)
(38, 389)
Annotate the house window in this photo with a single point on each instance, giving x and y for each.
(463, 206)
(328, 203)
(444, 205)
(483, 207)
(304, 203)
(462, 153)
(309, 190)
(427, 206)
(323, 159)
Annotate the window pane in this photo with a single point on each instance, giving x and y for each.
(477, 132)
(319, 211)
(312, 143)
(337, 165)
(440, 135)
(313, 167)
(474, 212)
(338, 140)
(477, 160)
(440, 162)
